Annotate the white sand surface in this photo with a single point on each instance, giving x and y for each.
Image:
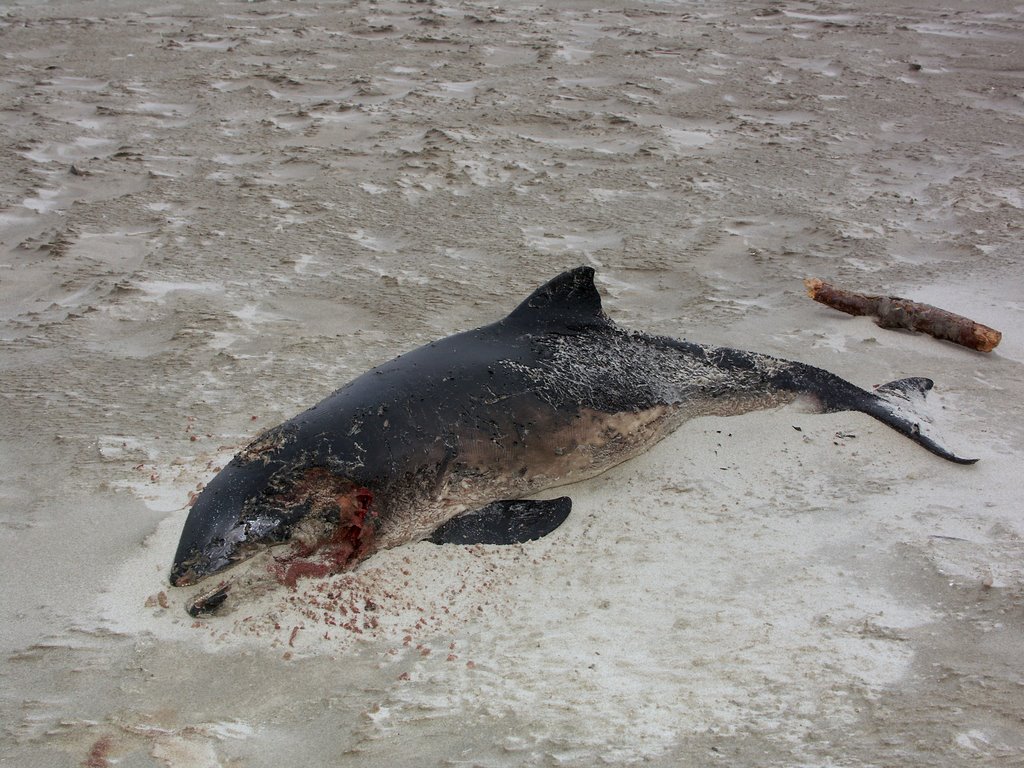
(212, 215)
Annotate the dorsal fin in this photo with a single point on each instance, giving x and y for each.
(571, 300)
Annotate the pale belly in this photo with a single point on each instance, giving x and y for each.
(486, 470)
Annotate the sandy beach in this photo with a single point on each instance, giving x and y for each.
(214, 214)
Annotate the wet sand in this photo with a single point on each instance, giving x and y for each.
(214, 215)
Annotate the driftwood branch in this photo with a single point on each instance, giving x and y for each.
(894, 312)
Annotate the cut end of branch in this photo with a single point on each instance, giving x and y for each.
(813, 285)
(987, 338)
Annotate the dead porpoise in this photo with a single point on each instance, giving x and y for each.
(443, 443)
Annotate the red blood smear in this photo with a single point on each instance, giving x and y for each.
(98, 754)
(351, 540)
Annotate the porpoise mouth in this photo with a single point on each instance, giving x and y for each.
(220, 553)
(208, 601)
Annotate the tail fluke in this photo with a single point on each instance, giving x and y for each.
(896, 405)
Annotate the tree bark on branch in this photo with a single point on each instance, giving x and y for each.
(896, 312)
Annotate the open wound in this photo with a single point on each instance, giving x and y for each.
(335, 532)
